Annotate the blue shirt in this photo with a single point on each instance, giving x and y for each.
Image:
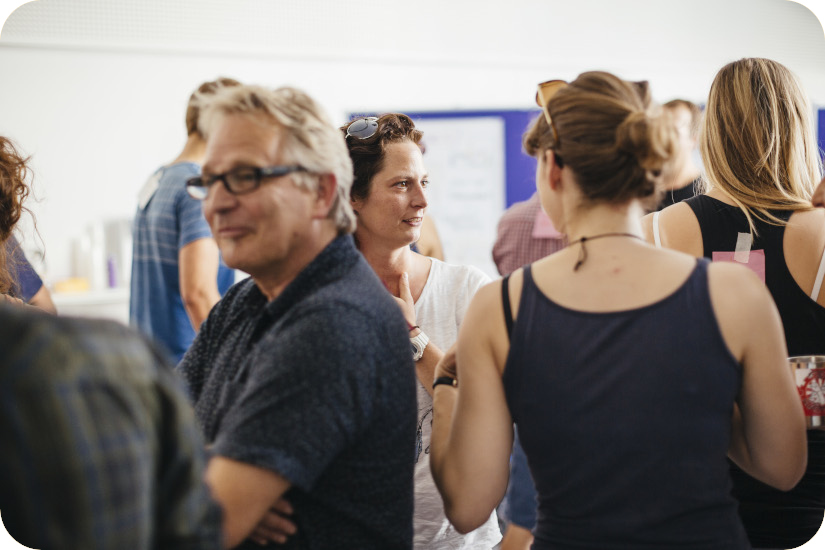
(26, 281)
(169, 221)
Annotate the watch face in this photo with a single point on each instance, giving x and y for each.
(419, 344)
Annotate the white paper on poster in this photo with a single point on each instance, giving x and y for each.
(465, 158)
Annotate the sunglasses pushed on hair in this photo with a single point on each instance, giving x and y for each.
(363, 128)
(546, 91)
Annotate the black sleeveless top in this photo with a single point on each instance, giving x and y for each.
(772, 518)
(625, 418)
(802, 318)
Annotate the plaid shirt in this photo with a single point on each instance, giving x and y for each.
(515, 245)
(98, 445)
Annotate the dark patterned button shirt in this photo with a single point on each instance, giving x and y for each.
(317, 385)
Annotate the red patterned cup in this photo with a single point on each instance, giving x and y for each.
(810, 383)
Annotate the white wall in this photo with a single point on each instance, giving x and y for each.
(95, 90)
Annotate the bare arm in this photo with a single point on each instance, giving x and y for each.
(43, 299)
(245, 493)
(198, 274)
(768, 435)
(516, 538)
(472, 429)
(424, 367)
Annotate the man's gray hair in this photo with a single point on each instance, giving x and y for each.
(309, 138)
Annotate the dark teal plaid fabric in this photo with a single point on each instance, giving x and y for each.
(98, 446)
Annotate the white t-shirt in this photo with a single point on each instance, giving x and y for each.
(439, 311)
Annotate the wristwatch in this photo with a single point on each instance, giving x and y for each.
(419, 344)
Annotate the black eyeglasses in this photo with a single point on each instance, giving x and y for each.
(238, 181)
(363, 128)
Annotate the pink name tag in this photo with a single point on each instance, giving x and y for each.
(754, 259)
(543, 227)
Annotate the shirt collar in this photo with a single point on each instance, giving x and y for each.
(332, 263)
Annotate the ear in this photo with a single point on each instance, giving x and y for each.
(325, 195)
(553, 169)
(356, 204)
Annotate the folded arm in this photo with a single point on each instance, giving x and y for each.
(245, 493)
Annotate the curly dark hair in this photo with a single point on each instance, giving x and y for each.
(13, 191)
(368, 154)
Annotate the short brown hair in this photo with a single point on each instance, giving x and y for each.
(193, 108)
(693, 109)
(613, 137)
(368, 154)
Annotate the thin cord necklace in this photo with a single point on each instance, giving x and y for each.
(583, 250)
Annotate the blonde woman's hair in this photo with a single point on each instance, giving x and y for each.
(310, 139)
(757, 142)
(611, 134)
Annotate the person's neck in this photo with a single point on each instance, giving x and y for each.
(720, 195)
(276, 278)
(388, 263)
(193, 151)
(685, 177)
(603, 219)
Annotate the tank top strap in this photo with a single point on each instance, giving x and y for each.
(505, 303)
(698, 279)
(657, 239)
(820, 274)
(527, 284)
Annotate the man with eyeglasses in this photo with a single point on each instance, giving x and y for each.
(302, 375)
(177, 275)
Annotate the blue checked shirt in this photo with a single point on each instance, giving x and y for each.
(98, 445)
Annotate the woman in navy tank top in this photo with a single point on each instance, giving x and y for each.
(762, 164)
(630, 371)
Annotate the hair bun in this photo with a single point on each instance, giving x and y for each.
(650, 139)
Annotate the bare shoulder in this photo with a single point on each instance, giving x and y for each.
(490, 293)
(740, 302)
(806, 227)
(487, 309)
(811, 219)
(804, 245)
(805, 233)
(736, 281)
(679, 229)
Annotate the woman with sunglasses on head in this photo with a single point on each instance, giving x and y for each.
(389, 197)
(631, 372)
(762, 164)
